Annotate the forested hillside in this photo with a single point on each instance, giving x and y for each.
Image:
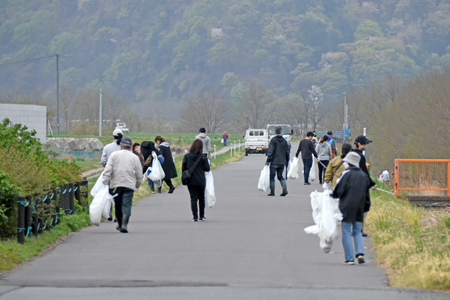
(163, 49)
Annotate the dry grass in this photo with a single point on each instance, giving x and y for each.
(410, 242)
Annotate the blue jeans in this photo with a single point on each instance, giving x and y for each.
(151, 184)
(224, 142)
(350, 230)
(307, 164)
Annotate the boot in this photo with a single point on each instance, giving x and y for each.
(283, 184)
(171, 189)
(125, 220)
(159, 190)
(272, 189)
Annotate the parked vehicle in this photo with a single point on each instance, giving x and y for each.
(256, 141)
(286, 131)
(122, 126)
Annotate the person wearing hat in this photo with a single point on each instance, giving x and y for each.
(123, 174)
(111, 147)
(361, 144)
(352, 189)
(108, 150)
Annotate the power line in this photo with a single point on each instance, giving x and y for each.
(16, 62)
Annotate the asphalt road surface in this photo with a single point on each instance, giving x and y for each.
(251, 247)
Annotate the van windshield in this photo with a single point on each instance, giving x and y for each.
(285, 130)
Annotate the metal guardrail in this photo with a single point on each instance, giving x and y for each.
(422, 175)
(30, 221)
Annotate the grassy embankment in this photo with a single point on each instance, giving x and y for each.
(13, 253)
(411, 243)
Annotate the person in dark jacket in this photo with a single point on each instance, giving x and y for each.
(352, 189)
(147, 148)
(277, 157)
(361, 144)
(168, 166)
(197, 183)
(307, 149)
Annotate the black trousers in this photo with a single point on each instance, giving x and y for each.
(123, 202)
(322, 169)
(276, 170)
(197, 193)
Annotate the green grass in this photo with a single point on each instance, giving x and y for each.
(13, 253)
(87, 164)
(411, 243)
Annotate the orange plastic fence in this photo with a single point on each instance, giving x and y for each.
(422, 175)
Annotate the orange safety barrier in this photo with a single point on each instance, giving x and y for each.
(422, 175)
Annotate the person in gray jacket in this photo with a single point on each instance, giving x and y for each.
(123, 174)
(111, 147)
(205, 140)
(324, 154)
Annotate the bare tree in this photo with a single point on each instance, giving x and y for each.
(208, 110)
(315, 98)
(255, 107)
(67, 98)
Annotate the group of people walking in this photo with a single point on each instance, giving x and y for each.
(126, 163)
(346, 175)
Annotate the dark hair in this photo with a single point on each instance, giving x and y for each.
(197, 147)
(202, 130)
(330, 133)
(310, 133)
(160, 138)
(278, 129)
(346, 149)
(324, 139)
(133, 147)
(118, 138)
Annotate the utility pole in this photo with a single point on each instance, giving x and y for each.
(345, 125)
(100, 120)
(57, 91)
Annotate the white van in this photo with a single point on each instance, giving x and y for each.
(256, 141)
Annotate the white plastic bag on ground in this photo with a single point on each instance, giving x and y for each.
(98, 186)
(210, 194)
(264, 179)
(157, 175)
(326, 215)
(312, 172)
(293, 169)
(100, 206)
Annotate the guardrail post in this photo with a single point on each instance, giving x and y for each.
(21, 220)
(28, 212)
(448, 179)
(77, 192)
(71, 198)
(57, 200)
(65, 196)
(36, 219)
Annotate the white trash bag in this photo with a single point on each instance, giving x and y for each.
(98, 186)
(293, 169)
(210, 194)
(326, 215)
(312, 172)
(157, 175)
(100, 206)
(264, 179)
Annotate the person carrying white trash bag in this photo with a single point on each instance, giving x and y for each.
(100, 205)
(326, 215)
(277, 158)
(352, 189)
(123, 174)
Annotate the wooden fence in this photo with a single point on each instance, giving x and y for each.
(37, 213)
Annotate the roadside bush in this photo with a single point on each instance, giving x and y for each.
(26, 169)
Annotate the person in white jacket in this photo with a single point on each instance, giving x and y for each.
(123, 174)
(205, 140)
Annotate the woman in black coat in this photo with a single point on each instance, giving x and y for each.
(168, 165)
(197, 183)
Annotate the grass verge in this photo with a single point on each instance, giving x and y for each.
(12, 253)
(411, 243)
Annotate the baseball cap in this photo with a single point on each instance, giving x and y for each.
(116, 132)
(126, 141)
(362, 139)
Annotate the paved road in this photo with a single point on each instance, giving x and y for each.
(251, 247)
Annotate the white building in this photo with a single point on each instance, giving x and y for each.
(32, 116)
